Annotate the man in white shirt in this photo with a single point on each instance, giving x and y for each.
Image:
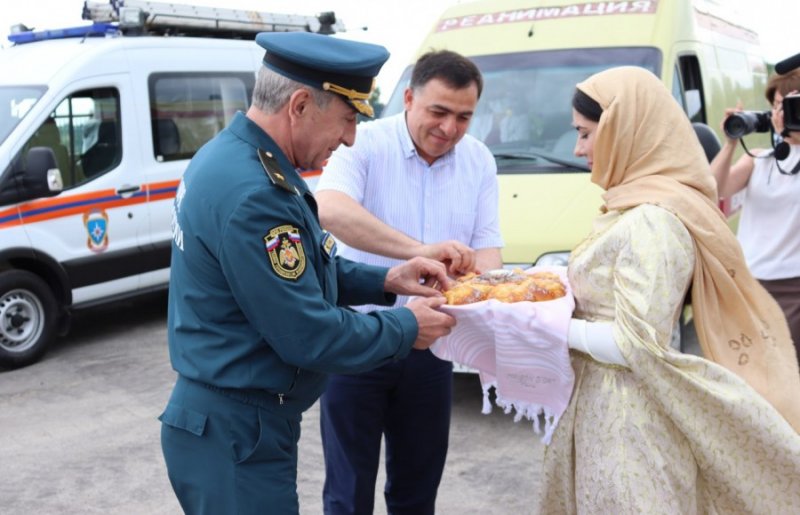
(413, 184)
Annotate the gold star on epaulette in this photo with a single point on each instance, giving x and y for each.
(273, 171)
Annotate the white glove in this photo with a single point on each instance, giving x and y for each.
(595, 339)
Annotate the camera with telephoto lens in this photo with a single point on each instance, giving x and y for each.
(744, 122)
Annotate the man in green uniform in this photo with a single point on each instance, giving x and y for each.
(257, 304)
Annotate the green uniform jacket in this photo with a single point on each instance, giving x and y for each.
(257, 296)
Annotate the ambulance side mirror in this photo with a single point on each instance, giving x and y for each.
(34, 177)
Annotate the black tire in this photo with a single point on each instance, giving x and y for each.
(28, 318)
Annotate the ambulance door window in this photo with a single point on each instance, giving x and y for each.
(691, 82)
(677, 89)
(688, 100)
(188, 109)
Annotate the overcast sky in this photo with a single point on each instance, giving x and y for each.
(399, 25)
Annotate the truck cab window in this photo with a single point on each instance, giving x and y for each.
(84, 133)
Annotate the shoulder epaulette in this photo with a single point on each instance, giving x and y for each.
(273, 171)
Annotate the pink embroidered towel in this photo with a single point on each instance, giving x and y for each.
(520, 349)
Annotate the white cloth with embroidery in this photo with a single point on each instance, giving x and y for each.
(518, 348)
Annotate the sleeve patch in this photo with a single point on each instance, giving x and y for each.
(285, 251)
(328, 245)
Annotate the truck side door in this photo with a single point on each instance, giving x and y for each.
(93, 227)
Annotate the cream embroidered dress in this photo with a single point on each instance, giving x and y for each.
(674, 434)
(671, 433)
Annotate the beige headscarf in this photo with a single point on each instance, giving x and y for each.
(646, 152)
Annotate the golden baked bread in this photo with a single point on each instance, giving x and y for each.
(505, 286)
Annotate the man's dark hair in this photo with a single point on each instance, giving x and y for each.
(452, 68)
(586, 106)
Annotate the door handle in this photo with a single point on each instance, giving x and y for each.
(127, 190)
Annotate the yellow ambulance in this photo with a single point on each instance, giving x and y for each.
(533, 52)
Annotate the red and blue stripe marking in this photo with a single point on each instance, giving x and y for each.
(42, 210)
(65, 205)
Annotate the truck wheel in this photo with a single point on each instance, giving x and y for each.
(28, 318)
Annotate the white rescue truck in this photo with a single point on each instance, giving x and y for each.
(97, 124)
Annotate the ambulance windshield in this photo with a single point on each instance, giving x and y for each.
(525, 112)
(15, 102)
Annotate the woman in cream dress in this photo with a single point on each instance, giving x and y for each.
(651, 430)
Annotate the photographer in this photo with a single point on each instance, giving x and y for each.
(768, 228)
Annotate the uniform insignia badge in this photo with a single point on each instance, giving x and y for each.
(285, 251)
(328, 245)
(96, 224)
(273, 171)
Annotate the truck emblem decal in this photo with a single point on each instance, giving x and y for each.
(96, 223)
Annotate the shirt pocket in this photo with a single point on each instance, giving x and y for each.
(183, 418)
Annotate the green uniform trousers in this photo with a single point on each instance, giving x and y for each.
(230, 451)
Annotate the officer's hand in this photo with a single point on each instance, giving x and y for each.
(457, 257)
(432, 324)
(418, 276)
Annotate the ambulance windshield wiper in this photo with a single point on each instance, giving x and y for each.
(535, 155)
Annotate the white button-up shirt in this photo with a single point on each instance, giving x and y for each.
(770, 217)
(455, 198)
